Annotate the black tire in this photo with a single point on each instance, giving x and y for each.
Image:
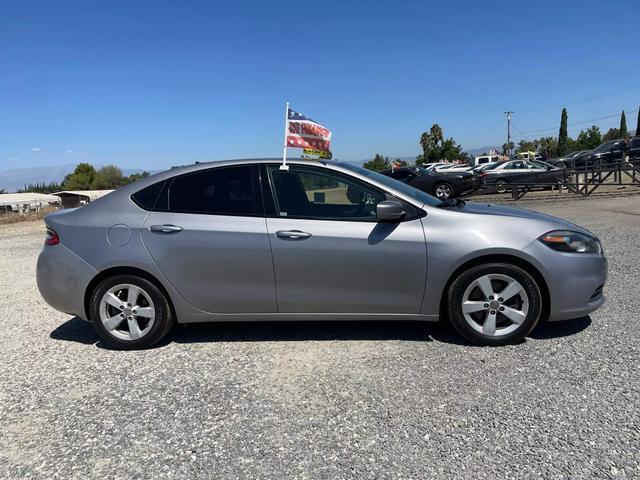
(466, 279)
(443, 190)
(502, 186)
(162, 321)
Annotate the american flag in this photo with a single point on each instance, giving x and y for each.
(302, 132)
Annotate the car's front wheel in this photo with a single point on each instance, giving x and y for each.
(129, 312)
(443, 191)
(502, 186)
(494, 304)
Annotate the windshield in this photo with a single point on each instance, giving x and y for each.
(423, 171)
(492, 166)
(605, 147)
(414, 193)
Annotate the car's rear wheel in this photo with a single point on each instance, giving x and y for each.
(443, 190)
(502, 186)
(494, 304)
(129, 312)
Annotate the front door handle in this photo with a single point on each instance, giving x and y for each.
(165, 228)
(292, 234)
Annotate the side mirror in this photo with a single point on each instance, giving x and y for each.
(390, 211)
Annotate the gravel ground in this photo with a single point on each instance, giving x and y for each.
(325, 400)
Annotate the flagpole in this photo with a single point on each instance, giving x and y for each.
(284, 165)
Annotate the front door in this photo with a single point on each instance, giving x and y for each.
(208, 236)
(331, 255)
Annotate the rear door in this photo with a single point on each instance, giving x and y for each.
(208, 236)
(329, 252)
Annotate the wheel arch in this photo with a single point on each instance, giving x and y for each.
(112, 271)
(500, 258)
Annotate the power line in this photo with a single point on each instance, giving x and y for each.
(590, 99)
(517, 130)
(581, 122)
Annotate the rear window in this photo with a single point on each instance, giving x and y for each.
(147, 197)
(218, 191)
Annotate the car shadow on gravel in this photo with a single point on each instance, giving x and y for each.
(80, 331)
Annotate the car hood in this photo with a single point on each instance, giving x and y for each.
(553, 223)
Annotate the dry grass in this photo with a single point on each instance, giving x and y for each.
(7, 218)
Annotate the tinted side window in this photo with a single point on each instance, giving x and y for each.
(635, 143)
(514, 166)
(218, 191)
(401, 174)
(323, 195)
(147, 197)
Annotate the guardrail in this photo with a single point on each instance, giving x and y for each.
(578, 180)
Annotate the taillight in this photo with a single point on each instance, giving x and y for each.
(52, 237)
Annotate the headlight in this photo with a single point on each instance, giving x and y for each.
(572, 242)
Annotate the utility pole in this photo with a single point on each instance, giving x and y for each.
(508, 114)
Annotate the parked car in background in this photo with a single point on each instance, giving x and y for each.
(614, 151)
(500, 175)
(455, 167)
(477, 173)
(441, 185)
(570, 160)
(434, 166)
(247, 241)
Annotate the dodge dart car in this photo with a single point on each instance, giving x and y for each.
(247, 240)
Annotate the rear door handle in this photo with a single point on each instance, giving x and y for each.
(165, 228)
(292, 234)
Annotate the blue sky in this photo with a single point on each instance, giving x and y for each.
(156, 83)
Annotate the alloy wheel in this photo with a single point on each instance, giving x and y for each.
(443, 191)
(127, 312)
(495, 305)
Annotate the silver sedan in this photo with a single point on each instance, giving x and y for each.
(247, 240)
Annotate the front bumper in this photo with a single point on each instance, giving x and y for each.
(62, 279)
(575, 281)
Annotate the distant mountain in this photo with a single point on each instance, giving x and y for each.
(16, 178)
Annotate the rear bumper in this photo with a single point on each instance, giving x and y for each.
(575, 281)
(62, 279)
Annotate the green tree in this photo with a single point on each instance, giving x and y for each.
(612, 134)
(108, 177)
(562, 134)
(378, 163)
(527, 146)
(507, 147)
(41, 188)
(638, 124)
(589, 139)
(81, 178)
(134, 177)
(623, 125)
(450, 150)
(425, 144)
(436, 148)
(436, 134)
(548, 147)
